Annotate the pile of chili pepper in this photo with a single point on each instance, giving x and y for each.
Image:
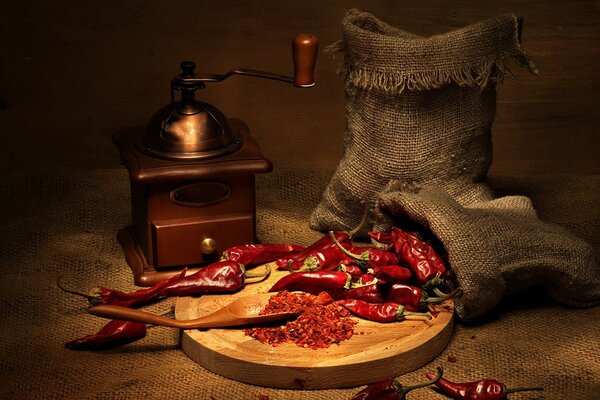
(322, 321)
(393, 281)
(225, 276)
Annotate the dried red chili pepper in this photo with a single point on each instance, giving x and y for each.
(381, 237)
(115, 333)
(320, 260)
(316, 282)
(354, 270)
(382, 312)
(392, 273)
(218, 277)
(390, 389)
(485, 389)
(420, 257)
(414, 298)
(374, 293)
(323, 243)
(102, 295)
(369, 257)
(257, 254)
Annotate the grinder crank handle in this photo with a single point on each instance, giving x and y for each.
(304, 53)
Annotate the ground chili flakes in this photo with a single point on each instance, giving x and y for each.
(321, 323)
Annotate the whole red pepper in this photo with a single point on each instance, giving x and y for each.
(392, 273)
(323, 243)
(320, 260)
(369, 257)
(381, 237)
(102, 295)
(316, 282)
(414, 298)
(390, 389)
(420, 257)
(375, 293)
(485, 389)
(218, 277)
(115, 333)
(354, 270)
(257, 254)
(382, 312)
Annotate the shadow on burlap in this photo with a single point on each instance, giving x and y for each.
(66, 221)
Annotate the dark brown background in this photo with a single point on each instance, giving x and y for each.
(74, 72)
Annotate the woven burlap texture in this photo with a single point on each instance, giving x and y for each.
(499, 246)
(418, 110)
(67, 221)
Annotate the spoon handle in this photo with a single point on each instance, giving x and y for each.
(130, 314)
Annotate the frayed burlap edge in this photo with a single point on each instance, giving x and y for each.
(470, 72)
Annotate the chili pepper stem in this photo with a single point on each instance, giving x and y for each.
(362, 222)
(412, 315)
(405, 389)
(91, 298)
(254, 274)
(523, 389)
(441, 296)
(360, 258)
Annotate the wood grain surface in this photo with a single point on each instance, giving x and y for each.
(376, 351)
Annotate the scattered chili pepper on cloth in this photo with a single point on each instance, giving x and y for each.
(321, 324)
(390, 389)
(382, 312)
(258, 254)
(115, 333)
(484, 389)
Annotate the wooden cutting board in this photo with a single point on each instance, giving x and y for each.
(376, 351)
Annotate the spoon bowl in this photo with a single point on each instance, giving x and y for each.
(241, 312)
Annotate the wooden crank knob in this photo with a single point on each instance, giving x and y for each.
(304, 51)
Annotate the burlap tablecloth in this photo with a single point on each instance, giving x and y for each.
(66, 221)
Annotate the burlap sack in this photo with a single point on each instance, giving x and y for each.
(418, 110)
(498, 247)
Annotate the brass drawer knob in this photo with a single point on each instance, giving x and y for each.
(208, 246)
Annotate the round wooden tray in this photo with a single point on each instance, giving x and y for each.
(376, 351)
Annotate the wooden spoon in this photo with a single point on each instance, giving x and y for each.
(241, 312)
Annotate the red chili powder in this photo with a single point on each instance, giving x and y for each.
(321, 323)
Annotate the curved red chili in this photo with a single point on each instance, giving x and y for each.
(419, 256)
(484, 389)
(332, 282)
(320, 260)
(392, 273)
(102, 295)
(323, 243)
(369, 257)
(381, 237)
(414, 298)
(375, 293)
(261, 253)
(115, 333)
(390, 389)
(218, 277)
(382, 312)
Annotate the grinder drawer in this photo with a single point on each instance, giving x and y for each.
(177, 242)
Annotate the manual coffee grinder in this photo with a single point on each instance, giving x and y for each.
(192, 175)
